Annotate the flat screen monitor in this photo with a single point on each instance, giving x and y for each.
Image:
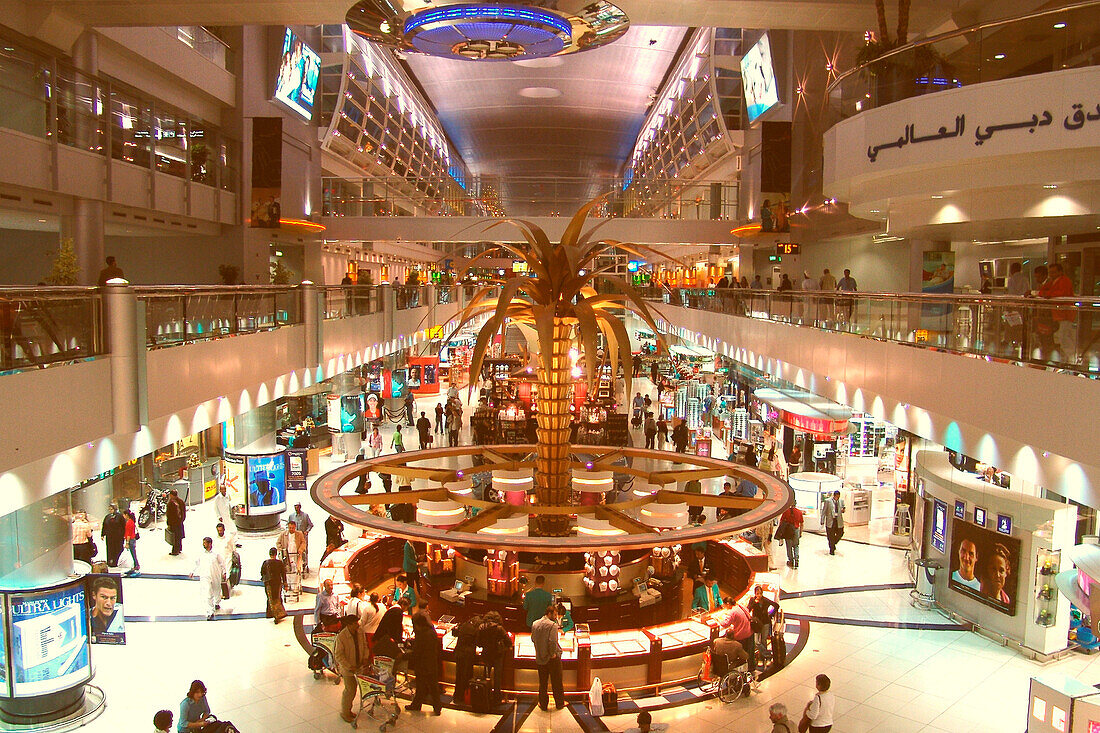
(984, 565)
(758, 77)
(299, 69)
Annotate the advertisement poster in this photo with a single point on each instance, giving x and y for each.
(49, 641)
(234, 480)
(267, 172)
(373, 410)
(333, 413)
(299, 69)
(106, 619)
(398, 384)
(939, 525)
(296, 468)
(984, 566)
(351, 413)
(937, 276)
(758, 77)
(266, 484)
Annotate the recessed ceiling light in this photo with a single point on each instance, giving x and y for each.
(1059, 26)
(1049, 186)
(540, 92)
(999, 56)
(937, 196)
(41, 221)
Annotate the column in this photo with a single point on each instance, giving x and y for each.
(85, 225)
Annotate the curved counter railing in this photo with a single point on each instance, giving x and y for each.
(1056, 333)
(1035, 43)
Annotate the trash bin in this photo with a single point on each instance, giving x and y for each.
(926, 580)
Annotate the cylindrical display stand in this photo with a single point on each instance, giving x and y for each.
(47, 642)
(256, 486)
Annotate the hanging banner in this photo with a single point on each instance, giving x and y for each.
(267, 172)
(937, 277)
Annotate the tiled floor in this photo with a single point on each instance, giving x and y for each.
(885, 679)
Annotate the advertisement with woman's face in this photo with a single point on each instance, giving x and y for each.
(984, 565)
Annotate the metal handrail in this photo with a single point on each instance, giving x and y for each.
(882, 295)
(956, 33)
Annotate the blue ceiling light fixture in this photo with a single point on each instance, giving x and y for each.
(490, 31)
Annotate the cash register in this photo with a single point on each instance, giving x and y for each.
(461, 589)
(646, 596)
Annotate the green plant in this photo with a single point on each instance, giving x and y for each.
(64, 269)
(229, 274)
(280, 273)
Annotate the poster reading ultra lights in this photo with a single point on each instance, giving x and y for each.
(49, 640)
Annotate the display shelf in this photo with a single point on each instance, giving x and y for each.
(1047, 565)
(502, 571)
(681, 633)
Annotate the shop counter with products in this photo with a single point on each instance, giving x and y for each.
(614, 639)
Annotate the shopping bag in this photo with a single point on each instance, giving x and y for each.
(704, 668)
(595, 698)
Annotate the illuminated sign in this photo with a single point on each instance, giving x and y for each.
(49, 640)
(817, 425)
(788, 248)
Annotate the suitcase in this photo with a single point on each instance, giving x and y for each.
(213, 725)
(480, 690)
(610, 699)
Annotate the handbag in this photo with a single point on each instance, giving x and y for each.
(704, 668)
(225, 590)
(595, 698)
(168, 535)
(804, 724)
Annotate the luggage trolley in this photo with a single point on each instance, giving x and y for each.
(378, 694)
(292, 591)
(323, 656)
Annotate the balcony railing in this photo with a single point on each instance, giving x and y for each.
(44, 326)
(1056, 333)
(178, 315)
(637, 198)
(1039, 42)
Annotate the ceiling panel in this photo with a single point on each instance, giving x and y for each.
(587, 129)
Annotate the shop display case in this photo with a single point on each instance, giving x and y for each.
(810, 490)
(441, 559)
(680, 634)
(601, 574)
(664, 561)
(1047, 565)
(611, 644)
(502, 573)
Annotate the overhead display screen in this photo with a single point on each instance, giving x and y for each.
(758, 77)
(299, 69)
(49, 639)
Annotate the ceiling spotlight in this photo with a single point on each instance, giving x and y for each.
(1059, 26)
(999, 56)
(1049, 186)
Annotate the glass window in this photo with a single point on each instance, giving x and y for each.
(29, 533)
(25, 84)
(131, 129)
(202, 154)
(170, 144)
(79, 110)
(230, 159)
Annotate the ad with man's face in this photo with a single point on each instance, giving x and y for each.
(106, 619)
(984, 565)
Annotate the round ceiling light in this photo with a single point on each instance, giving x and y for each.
(490, 31)
(540, 92)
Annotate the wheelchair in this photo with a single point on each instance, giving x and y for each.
(731, 683)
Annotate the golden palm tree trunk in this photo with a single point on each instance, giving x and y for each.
(552, 476)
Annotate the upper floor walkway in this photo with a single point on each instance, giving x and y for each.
(96, 377)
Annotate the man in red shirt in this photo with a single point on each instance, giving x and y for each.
(791, 533)
(1058, 285)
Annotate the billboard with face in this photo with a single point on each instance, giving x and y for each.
(984, 565)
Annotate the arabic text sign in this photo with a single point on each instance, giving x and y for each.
(1038, 113)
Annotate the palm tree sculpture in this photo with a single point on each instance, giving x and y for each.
(556, 305)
